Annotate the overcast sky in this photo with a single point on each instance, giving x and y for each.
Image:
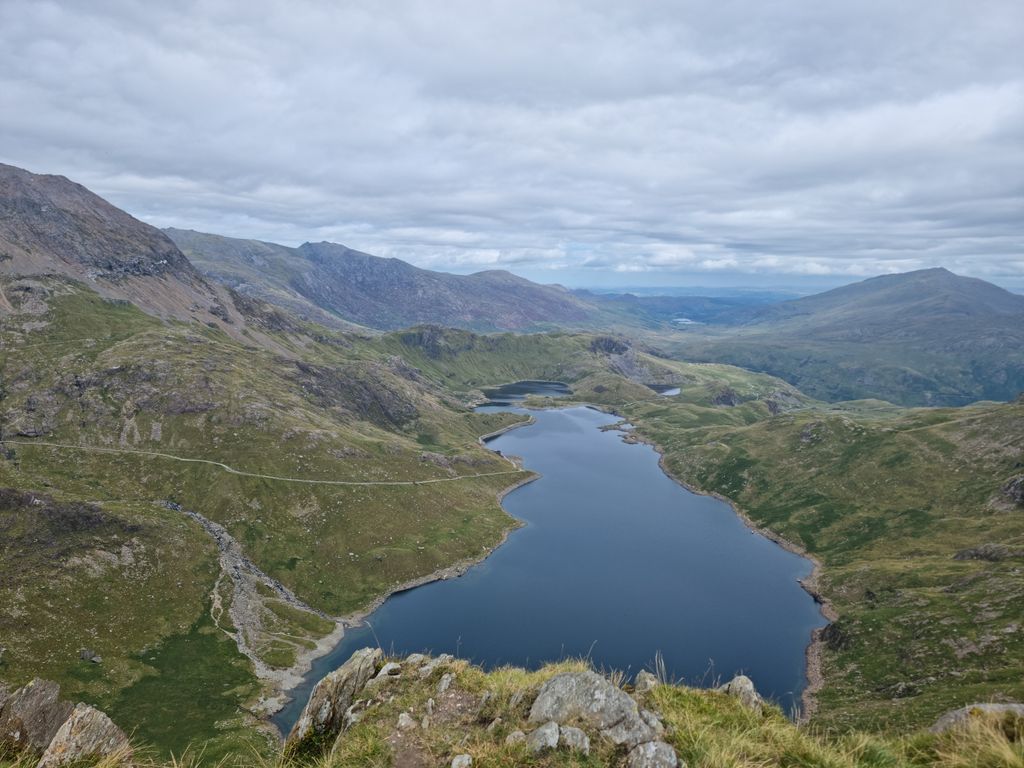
(748, 142)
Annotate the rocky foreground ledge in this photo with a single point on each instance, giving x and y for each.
(35, 722)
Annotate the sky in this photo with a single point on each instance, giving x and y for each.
(728, 142)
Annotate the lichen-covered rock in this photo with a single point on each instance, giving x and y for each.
(443, 660)
(544, 738)
(959, 717)
(86, 734)
(31, 717)
(591, 699)
(324, 713)
(516, 737)
(573, 739)
(742, 687)
(653, 754)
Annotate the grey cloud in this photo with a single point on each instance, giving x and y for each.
(648, 139)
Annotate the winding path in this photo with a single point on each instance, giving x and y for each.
(242, 473)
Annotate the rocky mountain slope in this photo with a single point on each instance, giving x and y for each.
(329, 283)
(52, 226)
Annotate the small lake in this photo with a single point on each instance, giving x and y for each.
(616, 562)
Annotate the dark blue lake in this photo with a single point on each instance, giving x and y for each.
(616, 562)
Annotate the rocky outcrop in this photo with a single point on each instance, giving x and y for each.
(992, 553)
(589, 699)
(35, 721)
(324, 714)
(86, 734)
(742, 688)
(958, 718)
(31, 717)
(1013, 489)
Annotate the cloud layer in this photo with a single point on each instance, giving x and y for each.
(650, 140)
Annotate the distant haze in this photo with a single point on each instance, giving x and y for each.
(710, 143)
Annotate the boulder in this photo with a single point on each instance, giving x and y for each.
(462, 761)
(644, 682)
(960, 717)
(31, 717)
(324, 713)
(573, 739)
(406, 722)
(516, 737)
(742, 687)
(86, 735)
(544, 738)
(653, 754)
(591, 699)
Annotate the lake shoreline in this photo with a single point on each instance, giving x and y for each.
(276, 698)
(814, 651)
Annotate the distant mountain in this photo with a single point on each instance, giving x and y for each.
(928, 337)
(330, 283)
(50, 225)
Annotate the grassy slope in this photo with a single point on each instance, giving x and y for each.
(103, 374)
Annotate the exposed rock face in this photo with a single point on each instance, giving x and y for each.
(589, 698)
(993, 553)
(962, 716)
(31, 717)
(323, 716)
(742, 688)
(1014, 489)
(87, 733)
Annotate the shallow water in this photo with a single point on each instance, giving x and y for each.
(617, 562)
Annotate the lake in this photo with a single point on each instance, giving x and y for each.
(616, 562)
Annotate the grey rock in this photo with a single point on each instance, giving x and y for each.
(573, 739)
(425, 722)
(1014, 489)
(630, 732)
(590, 698)
(428, 669)
(415, 659)
(653, 754)
(88, 654)
(742, 688)
(325, 711)
(462, 761)
(354, 714)
(86, 735)
(31, 717)
(653, 721)
(645, 682)
(391, 669)
(406, 723)
(544, 738)
(516, 737)
(430, 706)
(495, 724)
(445, 683)
(959, 717)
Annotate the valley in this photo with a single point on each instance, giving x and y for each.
(202, 480)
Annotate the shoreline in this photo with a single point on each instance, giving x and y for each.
(813, 654)
(277, 698)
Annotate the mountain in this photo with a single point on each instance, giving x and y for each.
(331, 283)
(50, 225)
(928, 337)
